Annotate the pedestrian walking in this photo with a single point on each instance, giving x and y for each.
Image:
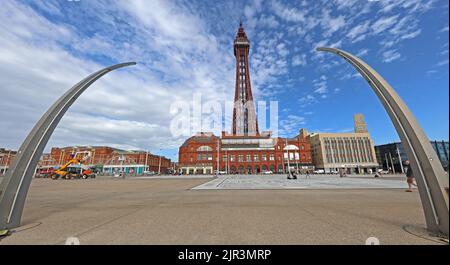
(409, 177)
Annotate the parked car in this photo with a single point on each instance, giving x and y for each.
(46, 173)
(267, 172)
(319, 171)
(149, 173)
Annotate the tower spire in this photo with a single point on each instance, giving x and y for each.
(244, 113)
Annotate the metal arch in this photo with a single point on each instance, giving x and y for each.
(15, 185)
(431, 179)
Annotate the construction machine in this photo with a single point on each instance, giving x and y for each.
(73, 169)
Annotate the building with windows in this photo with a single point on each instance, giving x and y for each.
(106, 159)
(392, 156)
(198, 153)
(441, 148)
(352, 152)
(6, 157)
(246, 150)
(204, 153)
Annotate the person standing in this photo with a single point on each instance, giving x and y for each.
(409, 177)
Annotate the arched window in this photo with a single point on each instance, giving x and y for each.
(204, 148)
(291, 147)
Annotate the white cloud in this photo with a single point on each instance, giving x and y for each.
(391, 55)
(282, 50)
(308, 99)
(411, 35)
(443, 62)
(299, 59)
(358, 33)
(322, 43)
(320, 85)
(181, 49)
(131, 105)
(291, 124)
(411, 6)
(331, 24)
(288, 13)
(383, 24)
(362, 52)
(268, 21)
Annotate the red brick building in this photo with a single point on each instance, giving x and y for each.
(246, 150)
(6, 157)
(107, 159)
(204, 153)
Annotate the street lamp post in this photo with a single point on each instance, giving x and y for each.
(387, 162)
(289, 161)
(226, 154)
(218, 154)
(392, 163)
(159, 166)
(400, 160)
(146, 161)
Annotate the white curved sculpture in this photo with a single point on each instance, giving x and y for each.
(15, 185)
(431, 178)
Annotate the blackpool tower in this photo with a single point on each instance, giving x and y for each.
(244, 112)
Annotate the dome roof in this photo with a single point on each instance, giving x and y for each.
(203, 138)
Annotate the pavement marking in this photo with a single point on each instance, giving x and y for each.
(73, 241)
(317, 182)
(372, 241)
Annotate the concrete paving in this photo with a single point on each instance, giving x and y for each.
(168, 211)
(303, 182)
(174, 177)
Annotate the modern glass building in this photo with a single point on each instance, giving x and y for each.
(390, 155)
(441, 148)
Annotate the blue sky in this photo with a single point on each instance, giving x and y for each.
(185, 47)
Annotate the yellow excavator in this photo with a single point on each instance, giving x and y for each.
(68, 172)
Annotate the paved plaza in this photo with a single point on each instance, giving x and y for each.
(162, 210)
(304, 182)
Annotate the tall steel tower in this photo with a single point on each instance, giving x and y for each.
(244, 113)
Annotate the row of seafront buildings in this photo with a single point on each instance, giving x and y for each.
(355, 153)
(198, 155)
(246, 150)
(103, 159)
